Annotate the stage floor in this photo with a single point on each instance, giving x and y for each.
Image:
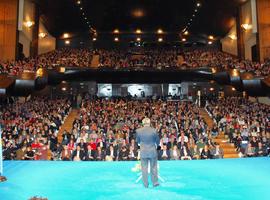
(184, 180)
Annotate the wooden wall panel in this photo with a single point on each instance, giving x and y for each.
(263, 17)
(8, 29)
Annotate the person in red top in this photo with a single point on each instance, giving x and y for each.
(71, 145)
(93, 145)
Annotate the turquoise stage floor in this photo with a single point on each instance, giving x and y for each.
(204, 179)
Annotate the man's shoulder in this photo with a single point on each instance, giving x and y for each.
(145, 129)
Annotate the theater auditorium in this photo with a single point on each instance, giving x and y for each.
(145, 100)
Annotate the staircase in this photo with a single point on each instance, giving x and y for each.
(68, 123)
(95, 61)
(221, 139)
(228, 148)
(208, 120)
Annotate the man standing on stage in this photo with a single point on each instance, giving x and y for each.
(148, 140)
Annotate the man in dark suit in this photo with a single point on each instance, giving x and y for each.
(78, 154)
(90, 154)
(148, 140)
(164, 153)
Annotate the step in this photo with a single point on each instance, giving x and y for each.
(218, 140)
(68, 123)
(231, 156)
(226, 145)
(229, 150)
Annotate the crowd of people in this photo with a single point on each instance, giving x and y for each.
(29, 128)
(147, 59)
(62, 57)
(105, 129)
(152, 59)
(215, 58)
(246, 123)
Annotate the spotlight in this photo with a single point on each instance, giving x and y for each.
(160, 39)
(138, 39)
(63, 88)
(65, 35)
(78, 2)
(184, 39)
(81, 8)
(94, 39)
(138, 31)
(198, 4)
(116, 31)
(186, 33)
(210, 37)
(210, 42)
(116, 39)
(159, 31)
(67, 42)
(211, 89)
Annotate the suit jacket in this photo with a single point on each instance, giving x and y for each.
(81, 154)
(148, 140)
(167, 153)
(183, 153)
(108, 153)
(88, 155)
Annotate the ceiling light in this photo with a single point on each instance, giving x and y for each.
(81, 8)
(211, 89)
(186, 33)
(160, 39)
(29, 24)
(196, 10)
(94, 39)
(198, 4)
(116, 39)
(233, 89)
(65, 35)
(210, 37)
(138, 39)
(116, 31)
(210, 42)
(160, 31)
(42, 35)
(67, 42)
(137, 13)
(64, 89)
(138, 31)
(184, 39)
(78, 2)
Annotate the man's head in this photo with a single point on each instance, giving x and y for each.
(146, 122)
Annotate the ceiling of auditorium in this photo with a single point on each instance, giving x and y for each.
(213, 16)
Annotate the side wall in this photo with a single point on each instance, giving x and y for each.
(8, 29)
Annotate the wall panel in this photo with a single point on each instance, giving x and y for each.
(8, 29)
(263, 17)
